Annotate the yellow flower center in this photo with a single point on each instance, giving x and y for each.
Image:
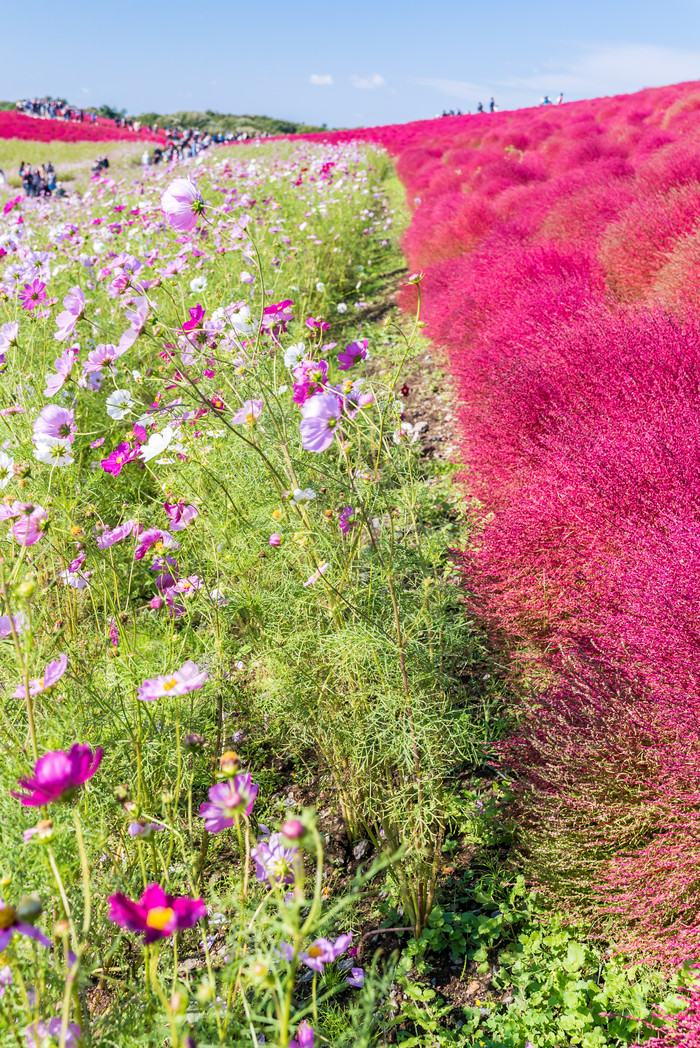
(159, 918)
(314, 951)
(7, 917)
(169, 684)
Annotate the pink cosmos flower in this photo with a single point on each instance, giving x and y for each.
(101, 356)
(64, 366)
(137, 319)
(8, 335)
(55, 423)
(11, 925)
(154, 537)
(320, 422)
(30, 526)
(304, 1037)
(110, 537)
(188, 678)
(32, 294)
(276, 317)
(308, 374)
(352, 355)
(74, 303)
(275, 539)
(156, 915)
(53, 673)
(182, 203)
(180, 515)
(248, 412)
(228, 801)
(41, 1033)
(58, 775)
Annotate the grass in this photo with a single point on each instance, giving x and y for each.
(72, 160)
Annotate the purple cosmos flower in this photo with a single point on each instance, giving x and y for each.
(143, 830)
(313, 579)
(19, 621)
(274, 858)
(57, 775)
(320, 420)
(180, 515)
(64, 366)
(157, 538)
(323, 951)
(32, 294)
(118, 534)
(54, 423)
(276, 317)
(52, 674)
(228, 801)
(248, 412)
(74, 304)
(11, 925)
(356, 978)
(41, 1033)
(188, 678)
(352, 355)
(182, 203)
(156, 915)
(304, 1037)
(346, 519)
(120, 457)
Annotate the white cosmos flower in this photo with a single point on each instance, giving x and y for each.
(54, 452)
(198, 284)
(6, 467)
(157, 443)
(303, 496)
(119, 404)
(320, 287)
(341, 307)
(246, 277)
(240, 320)
(293, 354)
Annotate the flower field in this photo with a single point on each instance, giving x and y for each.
(266, 778)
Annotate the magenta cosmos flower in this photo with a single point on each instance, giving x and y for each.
(352, 355)
(156, 538)
(58, 775)
(180, 515)
(196, 317)
(156, 915)
(74, 304)
(32, 294)
(188, 678)
(248, 412)
(228, 801)
(320, 421)
(182, 204)
(53, 673)
(304, 1037)
(10, 925)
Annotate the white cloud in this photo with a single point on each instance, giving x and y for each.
(321, 79)
(368, 83)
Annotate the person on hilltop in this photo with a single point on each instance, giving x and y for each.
(480, 108)
(560, 99)
(492, 106)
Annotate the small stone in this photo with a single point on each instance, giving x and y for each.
(361, 850)
(472, 988)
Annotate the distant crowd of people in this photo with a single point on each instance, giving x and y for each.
(51, 109)
(493, 108)
(38, 180)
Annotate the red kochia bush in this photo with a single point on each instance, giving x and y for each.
(34, 129)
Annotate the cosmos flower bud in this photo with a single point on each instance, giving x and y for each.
(276, 539)
(228, 762)
(121, 794)
(193, 742)
(294, 829)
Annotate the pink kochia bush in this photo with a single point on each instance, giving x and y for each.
(559, 257)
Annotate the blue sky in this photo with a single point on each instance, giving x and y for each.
(345, 64)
